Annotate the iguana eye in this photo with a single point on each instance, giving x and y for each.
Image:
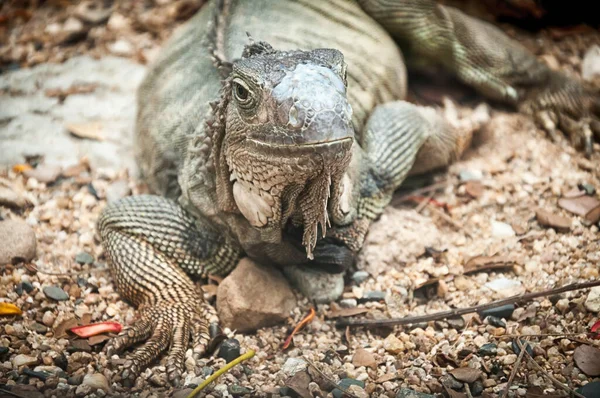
(241, 93)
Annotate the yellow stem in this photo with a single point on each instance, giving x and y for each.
(249, 354)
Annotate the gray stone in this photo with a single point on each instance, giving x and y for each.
(18, 242)
(360, 276)
(319, 286)
(345, 384)
(55, 293)
(112, 104)
(592, 303)
(84, 258)
(408, 393)
(46, 173)
(229, 350)
(293, 366)
(254, 296)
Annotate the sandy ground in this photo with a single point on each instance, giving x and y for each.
(489, 206)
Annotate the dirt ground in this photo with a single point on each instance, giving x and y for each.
(507, 219)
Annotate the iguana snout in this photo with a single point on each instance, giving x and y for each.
(288, 137)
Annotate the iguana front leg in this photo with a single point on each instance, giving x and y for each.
(482, 56)
(151, 244)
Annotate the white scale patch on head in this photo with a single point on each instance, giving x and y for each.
(256, 208)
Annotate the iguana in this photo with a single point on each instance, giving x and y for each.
(285, 149)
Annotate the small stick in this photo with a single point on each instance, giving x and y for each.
(425, 202)
(514, 371)
(449, 220)
(548, 375)
(461, 311)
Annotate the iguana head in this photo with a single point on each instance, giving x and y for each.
(284, 138)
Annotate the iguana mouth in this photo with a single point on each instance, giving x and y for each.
(310, 147)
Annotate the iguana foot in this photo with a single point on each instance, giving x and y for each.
(164, 326)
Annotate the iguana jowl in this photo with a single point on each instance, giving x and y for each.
(307, 135)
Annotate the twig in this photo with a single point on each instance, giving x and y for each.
(425, 201)
(461, 311)
(514, 371)
(249, 354)
(548, 375)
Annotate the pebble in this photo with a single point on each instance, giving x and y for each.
(356, 391)
(489, 349)
(360, 276)
(230, 350)
(44, 173)
(487, 383)
(95, 380)
(254, 296)
(348, 303)
(293, 366)
(590, 65)
(408, 393)
(11, 198)
(450, 382)
(22, 359)
(502, 230)
(345, 384)
(495, 321)
(504, 311)
(38, 328)
(18, 242)
(26, 286)
(84, 258)
(121, 47)
(592, 302)
(237, 390)
(470, 175)
(509, 359)
(55, 293)
(372, 296)
(393, 344)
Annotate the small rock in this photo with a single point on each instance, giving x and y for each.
(477, 388)
(590, 390)
(18, 242)
(450, 382)
(38, 328)
(55, 293)
(26, 286)
(365, 358)
(502, 230)
(51, 370)
(504, 311)
(495, 321)
(360, 276)
(348, 303)
(83, 390)
(509, 359)
(253, 296)
(372, 296)
(121, 47)
(96, 380)
(79, 345)
(506, 287)
(38, 375)
(117, 190)
(466, 374)
(592, 302)
(4, 351)
(230, 350)
(393, 344)
(293, 366)
(456, 323)
(345, 384)
(470, 175)
(182, 393)
(237, 390)
(489, 349)
(84, 258)
(21, 360)
(44, 173)
(158, 379)
(356, 391)
(11, 198)
(408, 393)
(590, 65)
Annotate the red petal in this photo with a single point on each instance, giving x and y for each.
(596, 326)
(96, 328)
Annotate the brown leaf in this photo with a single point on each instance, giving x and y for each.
(9, 309)
(485, 263)
(466, 374)
(548, 219)
(587, 358)
(585, 206)
(364, 358)
(92, 131)
(538, 392)
(61, 329)
(101, 338)
(474, 189)
(339, 312)
(455, 394)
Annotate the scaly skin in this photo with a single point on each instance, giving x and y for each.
(286, 153)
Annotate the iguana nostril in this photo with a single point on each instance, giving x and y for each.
(293, 117)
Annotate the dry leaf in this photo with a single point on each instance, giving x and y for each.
(386, 377)
(455, 394)
(9, 309)
(547, 219)
(92, 131)
(101, 338)
(585, 206)
(485, 263)
(364, 358)
(474, 189)
(466, 374)
(61, 329)
(587, 358)
(538, 392)
(307, 319)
